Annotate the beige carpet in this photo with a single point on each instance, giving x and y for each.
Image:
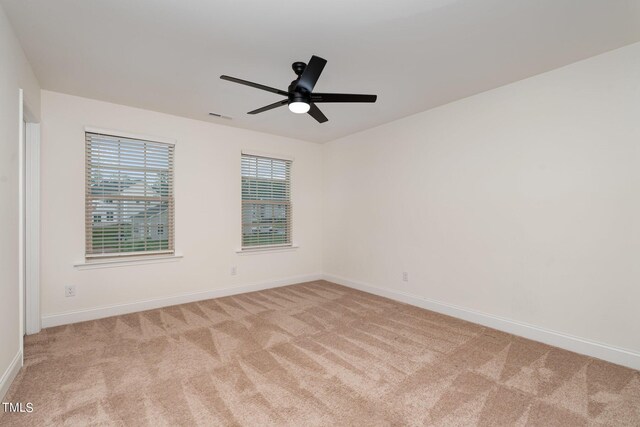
(310, 354)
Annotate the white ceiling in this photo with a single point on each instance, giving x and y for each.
(167, 55)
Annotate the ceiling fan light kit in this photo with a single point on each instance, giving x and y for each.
(300, 96)
(299, 107)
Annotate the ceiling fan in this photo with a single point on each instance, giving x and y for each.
(300, 96)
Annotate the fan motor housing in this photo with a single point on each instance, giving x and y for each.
(299, 97)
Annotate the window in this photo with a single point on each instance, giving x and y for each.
(130, 183)
(266, 201)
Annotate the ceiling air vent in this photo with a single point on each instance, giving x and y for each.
(222, 116)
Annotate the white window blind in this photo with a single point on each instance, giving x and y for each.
(129, 205)
(266, 201)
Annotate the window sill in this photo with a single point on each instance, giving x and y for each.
(256, 251)
(139, 260)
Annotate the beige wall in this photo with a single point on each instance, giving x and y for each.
(15, 73)
(207, 208)
(522, 202)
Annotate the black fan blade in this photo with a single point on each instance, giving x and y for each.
(256, 85)
(270, 107)
(311, 73)
(342, 97)
(317, 114)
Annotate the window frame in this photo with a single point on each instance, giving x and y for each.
(289, 220)
(147, 254)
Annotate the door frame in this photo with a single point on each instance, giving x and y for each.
(29, 240)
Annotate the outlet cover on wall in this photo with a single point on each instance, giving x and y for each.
(234, 270)
(405, 276)
(70, 291)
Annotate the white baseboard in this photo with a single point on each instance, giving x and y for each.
(587, 347)
(10, 374)
(115, 310)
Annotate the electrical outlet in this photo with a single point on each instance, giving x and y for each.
(70, 291)
(405, 276)
(234, 270)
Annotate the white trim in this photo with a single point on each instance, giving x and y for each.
(587, 347)
(10, 374)
(118, 309)
(32, 219)
(21, 227)
(267, 155)
(266, 250)
(130, 135)
(95, 263)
